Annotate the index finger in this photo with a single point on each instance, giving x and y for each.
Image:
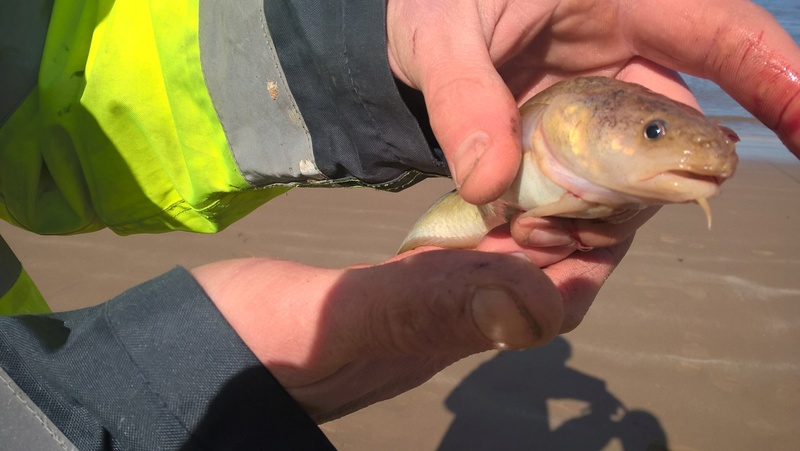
(579, 278)
(736, 44)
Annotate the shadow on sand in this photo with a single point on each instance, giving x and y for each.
(533, 400)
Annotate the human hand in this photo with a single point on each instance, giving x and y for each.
(476, 62)
(341, 339)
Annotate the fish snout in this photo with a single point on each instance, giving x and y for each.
(712, 156)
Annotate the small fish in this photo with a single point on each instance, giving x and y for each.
(594, 147)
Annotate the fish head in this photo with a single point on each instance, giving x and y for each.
(622, 143)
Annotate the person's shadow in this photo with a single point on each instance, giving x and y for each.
(503, 405)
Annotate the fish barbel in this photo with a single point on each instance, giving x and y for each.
(594, 147)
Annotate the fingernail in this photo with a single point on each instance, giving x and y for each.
(467, 155)
(549, 238)
(502, 320)
(521, 256)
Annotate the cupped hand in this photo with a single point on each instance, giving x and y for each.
(476, 61)
(341, 339)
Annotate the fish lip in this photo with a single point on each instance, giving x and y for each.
(693, 185)
(710, 177)
(716, 173)
(694, 176)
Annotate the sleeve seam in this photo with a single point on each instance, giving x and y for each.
(146, 380)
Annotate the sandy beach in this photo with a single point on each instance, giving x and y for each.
(694, 343)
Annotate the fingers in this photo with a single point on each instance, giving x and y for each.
(476, 121)
(580, 277)
(659, 79)
(737, 44)
(443, 52)
(578, 233)
(500, 240)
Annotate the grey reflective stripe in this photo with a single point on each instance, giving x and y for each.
(23, 28)
(23, 426)
(251, 96)
(10, 267)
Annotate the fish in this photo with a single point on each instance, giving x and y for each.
(594, 148)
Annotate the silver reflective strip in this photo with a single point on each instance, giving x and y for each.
(267, 134)
(23, 426)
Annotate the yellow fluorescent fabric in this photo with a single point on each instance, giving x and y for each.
(121, 131)
(23, 298)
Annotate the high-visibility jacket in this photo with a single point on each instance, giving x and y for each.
(147, 117)
(18, 293)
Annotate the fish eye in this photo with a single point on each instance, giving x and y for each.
(655, 129)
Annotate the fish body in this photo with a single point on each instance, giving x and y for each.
(594, 147)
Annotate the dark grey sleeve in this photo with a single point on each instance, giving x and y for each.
(317, 72)
(157, 367)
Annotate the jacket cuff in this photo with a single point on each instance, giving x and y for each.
(317, 72)
(197, 365)
(156, 367)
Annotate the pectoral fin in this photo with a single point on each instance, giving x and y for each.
(568, 205)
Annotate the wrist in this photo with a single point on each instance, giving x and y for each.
(274, 306)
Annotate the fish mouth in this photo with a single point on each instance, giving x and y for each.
(695, 176)
(688, 186)
(715, 179)
(679, 185)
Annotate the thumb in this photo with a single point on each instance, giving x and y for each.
(472, 112)
(449, 302)
(476, 121)
(309, 324)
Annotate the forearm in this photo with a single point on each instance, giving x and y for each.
(188, 116)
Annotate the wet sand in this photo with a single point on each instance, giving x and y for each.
(693, 343)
